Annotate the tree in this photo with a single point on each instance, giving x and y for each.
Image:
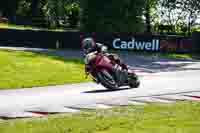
(149, 6)
(178, 13)
(58, 12)
(8, 9)
(73, 13)
(37, 14)
(24, 8)
(112, 15)
(169, 13)
(35, 7)
(192, 7)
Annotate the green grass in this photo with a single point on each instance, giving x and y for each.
(163, 55)
(26, 69)
(26, 27)
(174, 56)
(10, 26)
(179, 56)
(182, 117)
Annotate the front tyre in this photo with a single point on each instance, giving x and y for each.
(107, 80)
(134, 81)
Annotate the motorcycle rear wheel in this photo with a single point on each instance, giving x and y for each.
(107, 80)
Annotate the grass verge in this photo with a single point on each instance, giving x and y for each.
(187, 56)
(26, 27)
(182, 117)
(26, 69)
(175, 56)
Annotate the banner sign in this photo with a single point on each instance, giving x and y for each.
(115, 41)
(144, 42)
(135, 44)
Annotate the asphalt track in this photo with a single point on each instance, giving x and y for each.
(162, 81)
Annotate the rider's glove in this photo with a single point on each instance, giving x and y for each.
(104, 49)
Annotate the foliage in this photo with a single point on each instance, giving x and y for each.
(181, 14)
(150, 6)
(61, 12)
(112, 15)
(192, 7)
(9, 10)
(24, 8)
(73, 13)
(36, 11)
(52, 13)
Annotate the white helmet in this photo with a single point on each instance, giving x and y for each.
(88, 44)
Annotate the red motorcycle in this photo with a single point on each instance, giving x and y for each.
(108, 71)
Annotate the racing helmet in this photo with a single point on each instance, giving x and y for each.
(88, 44)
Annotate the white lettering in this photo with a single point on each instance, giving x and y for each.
(140, 45)
(131, 44)
(123, 45)
(115, 43)
(148, 46)
(157, 45)
(153, 45)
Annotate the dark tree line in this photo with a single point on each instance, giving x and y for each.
(49, 11)
(105, 15)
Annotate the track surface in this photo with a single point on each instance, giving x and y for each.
(162, 80)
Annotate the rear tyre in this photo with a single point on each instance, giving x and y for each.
(107, 80)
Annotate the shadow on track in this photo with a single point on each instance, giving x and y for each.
(107, 90)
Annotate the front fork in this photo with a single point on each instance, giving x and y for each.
(86, 75)
(89, 72)
(87, 69)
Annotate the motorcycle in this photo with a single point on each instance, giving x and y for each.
(102, 68)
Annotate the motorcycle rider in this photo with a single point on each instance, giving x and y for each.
(89, 45)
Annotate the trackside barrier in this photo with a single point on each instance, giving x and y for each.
(115, 41)
(196, 42)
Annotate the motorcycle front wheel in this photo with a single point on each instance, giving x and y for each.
(134, 81)
(107, 80)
